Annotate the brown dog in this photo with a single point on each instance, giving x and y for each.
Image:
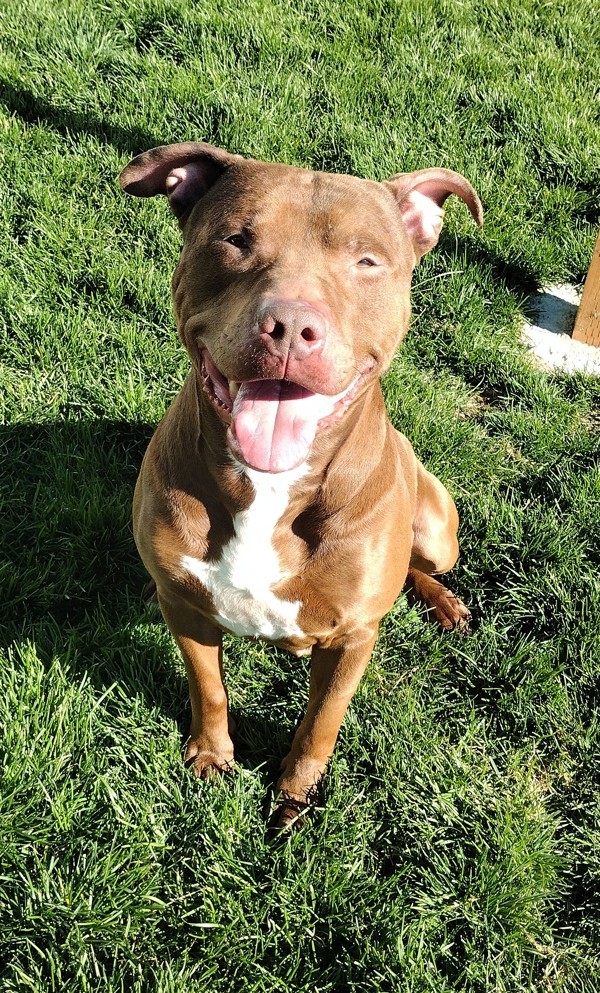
(276, 500)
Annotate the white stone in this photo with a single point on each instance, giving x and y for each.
(554, 310)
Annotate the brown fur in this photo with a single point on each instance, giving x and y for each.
(367, 515)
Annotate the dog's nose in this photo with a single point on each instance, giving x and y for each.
(292, 327)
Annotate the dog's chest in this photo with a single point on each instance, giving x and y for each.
(241, 581)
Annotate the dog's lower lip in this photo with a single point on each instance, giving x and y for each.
(347, 397)
(215, 385)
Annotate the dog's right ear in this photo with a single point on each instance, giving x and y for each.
(183, 172)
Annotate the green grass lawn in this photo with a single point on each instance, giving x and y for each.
(458, 848)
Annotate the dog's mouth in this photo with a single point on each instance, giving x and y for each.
(272, 423)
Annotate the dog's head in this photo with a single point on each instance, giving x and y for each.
(292, 291)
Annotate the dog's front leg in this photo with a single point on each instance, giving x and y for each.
(209, 747)
(334, 675)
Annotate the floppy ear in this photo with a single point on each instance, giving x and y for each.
(183, 172)
(420, 196)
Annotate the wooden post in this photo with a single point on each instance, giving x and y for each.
(587, 322)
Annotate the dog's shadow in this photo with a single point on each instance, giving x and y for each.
(72, 583)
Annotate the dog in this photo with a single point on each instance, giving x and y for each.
(276, 500)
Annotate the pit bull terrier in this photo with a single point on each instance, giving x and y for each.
(276, 500)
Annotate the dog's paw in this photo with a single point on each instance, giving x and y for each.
(441, 605)
(207, 762)
(296, 794)
(288, 813)
(449, 612)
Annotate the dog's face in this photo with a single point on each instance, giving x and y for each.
(292, 290)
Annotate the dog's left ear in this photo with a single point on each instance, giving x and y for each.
(420, 197)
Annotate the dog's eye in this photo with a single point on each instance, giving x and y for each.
(237, 240)
(366, 262)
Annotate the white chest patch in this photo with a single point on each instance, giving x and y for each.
(241, 581)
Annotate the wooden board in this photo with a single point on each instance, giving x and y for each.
(587, 322)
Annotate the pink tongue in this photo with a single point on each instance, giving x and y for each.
(275, 423)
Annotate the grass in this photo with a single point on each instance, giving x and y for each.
(458, 849)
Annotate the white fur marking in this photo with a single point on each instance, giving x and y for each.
(241, 581)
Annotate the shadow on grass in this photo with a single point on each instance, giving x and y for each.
(66, 550)
(71, 580)
(67, 122)
(517, 276)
